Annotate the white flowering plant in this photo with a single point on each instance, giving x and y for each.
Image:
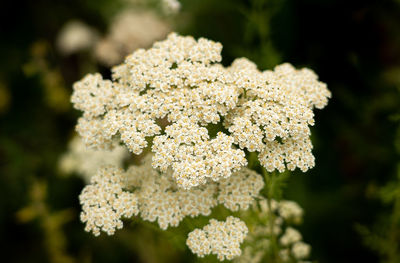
(212, 138)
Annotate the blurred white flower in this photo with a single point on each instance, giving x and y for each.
(301, 250)
(76, 36)
(130, 30)
(85, 162)
(290, 236)
(290, 210)
(171, 6)
(290, 247)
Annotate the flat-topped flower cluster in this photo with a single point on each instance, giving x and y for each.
(172, 91)
(168, 99)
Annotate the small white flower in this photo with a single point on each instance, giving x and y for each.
(222, 238)
(85, 162)
(301, 250)
(104, 202)
(290, 210)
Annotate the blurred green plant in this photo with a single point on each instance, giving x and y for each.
(51, 222)
(384, 236)
(258, 32)
(56, 95)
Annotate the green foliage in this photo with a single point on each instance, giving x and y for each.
(384, 237)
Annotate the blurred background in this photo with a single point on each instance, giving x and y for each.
(352, 196)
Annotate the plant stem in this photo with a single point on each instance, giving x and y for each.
(271, 216)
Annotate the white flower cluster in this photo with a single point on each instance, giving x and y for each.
(291, 241)
(193, 157)
(102, 120)
(176, 88)
(85, 162)
(168, 97)
(239, 191)
(177, 80)
(274, 113)
(161, 200)
(222, 238)
(301, 250)
(158, 197)
(129, 30)
(291, 247)
(290, 210)
(290, 236)
(104, 202)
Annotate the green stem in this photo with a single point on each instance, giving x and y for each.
(271, 216)
(252, 160)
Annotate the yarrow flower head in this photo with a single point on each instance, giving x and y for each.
(172, 91)
(200, 121)
(158, 197)
(274, 113)
(193, 157)
(222, 238)
(176, 80)
(161, 200)
(239, 191)
(104, 202)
